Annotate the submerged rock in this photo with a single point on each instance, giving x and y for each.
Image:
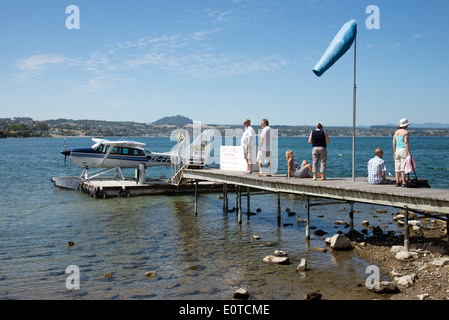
(278, 257)
(385, 287)
(276, 260)
(319, 232)
(319, 249)
(279, 253)
(150, 274)
(377, 231)
(312, 296)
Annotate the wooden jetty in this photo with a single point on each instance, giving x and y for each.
(426, 201)
(114, 187)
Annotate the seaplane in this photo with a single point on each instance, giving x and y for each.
(107, 155)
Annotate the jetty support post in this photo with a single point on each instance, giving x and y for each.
(351, 217)
(248, 206)
(196, 197)
(142, 173)
(406, 231)
(225, 198)
(279, 209)
(308, 218)
(236, 198)
(239, 204)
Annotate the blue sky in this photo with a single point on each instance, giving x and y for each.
(220, 61)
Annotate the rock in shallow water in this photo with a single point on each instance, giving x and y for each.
(242, 293)
(385, 287)
(340, 242)
(276, 260)
(302, 265)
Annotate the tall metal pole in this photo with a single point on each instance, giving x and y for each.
(353, 112)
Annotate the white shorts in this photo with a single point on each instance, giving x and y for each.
(399, 161)
(264, 157)
(247, 151)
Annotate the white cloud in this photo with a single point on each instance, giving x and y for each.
(36, 65)
(394, 46)
(190, 56)
(100, 82)
(184, 55)
(416, 36)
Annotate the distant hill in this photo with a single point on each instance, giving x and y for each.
(425, 125)
(177, 120)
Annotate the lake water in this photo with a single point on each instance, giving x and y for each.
(208, 256)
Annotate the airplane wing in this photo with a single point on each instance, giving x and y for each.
(131, 144)
(120, 143)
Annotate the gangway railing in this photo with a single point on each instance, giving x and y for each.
(193, 156)
(177, 176)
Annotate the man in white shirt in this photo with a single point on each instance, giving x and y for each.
(247, 143)
(376, 168)
(264, 152)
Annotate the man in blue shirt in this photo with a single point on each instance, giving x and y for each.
(376, 168)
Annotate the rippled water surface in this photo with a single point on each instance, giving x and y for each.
(207, 256)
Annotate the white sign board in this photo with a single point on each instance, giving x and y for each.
(231, 158)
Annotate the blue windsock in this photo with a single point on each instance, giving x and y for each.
(338, 47)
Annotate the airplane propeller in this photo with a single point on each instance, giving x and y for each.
(66, 152)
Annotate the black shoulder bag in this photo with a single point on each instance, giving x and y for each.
(415, 182)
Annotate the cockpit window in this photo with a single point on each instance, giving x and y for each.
(115, 150)
(100, 148)
(138, 152)
(122, 150)
(147, 151)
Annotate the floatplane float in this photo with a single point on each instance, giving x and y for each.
(107, 155)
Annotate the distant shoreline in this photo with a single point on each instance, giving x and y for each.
(167, 136)
(27, 127)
